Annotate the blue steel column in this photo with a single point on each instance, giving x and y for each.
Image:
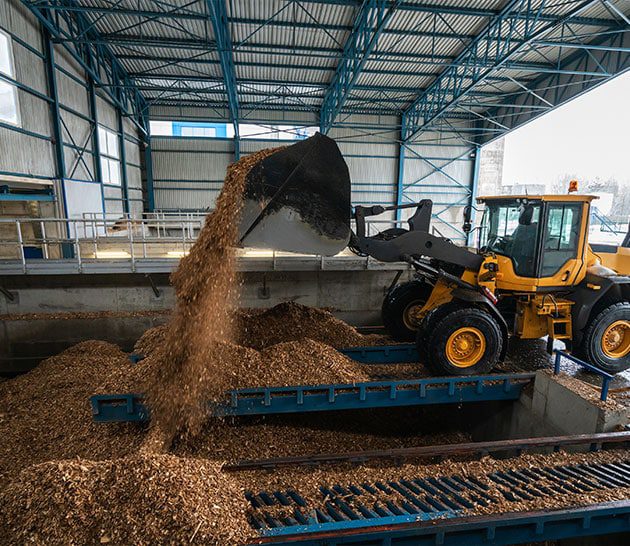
(401, 169)
(96, 145)
(66, 249)
(54, 105)
(123, 161)
(473, 195)
(221, 28)
(148, 162)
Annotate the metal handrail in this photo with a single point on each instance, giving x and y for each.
(77, 240)
(606, 377)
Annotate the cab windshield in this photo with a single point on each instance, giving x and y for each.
(510, 228)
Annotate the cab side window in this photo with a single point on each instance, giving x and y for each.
(562, 236)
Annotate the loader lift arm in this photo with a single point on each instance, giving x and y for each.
(414, 243)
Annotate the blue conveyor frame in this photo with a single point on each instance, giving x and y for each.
(108, 408)
(503, 529)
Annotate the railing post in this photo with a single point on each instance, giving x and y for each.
(556, 364)
(604, 394)
(144, 242)
(42, 226)
(133, 256)
(77, 248)
(18, 227)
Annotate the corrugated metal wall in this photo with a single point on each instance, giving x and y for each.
(188, 172)
(28, 151)
(440, 169)
(25, 154)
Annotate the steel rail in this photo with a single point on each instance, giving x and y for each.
(472, 448)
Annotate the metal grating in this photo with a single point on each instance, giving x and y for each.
(350, 505)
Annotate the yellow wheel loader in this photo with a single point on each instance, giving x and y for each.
(534, 273)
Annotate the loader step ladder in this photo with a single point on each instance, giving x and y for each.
(427, 508)
(560, 327)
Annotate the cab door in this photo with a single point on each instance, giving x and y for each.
(562, 244)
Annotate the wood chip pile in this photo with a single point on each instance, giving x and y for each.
(151, 340)
(146, 500)
(65, 479)
(291, 321)
(45, 414)
(286, 364)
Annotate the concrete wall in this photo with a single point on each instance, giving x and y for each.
(352, 295)
(550, 408)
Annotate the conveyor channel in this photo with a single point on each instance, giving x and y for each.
(348, 396)
(377, 354)
(383, 354)
(379, 511)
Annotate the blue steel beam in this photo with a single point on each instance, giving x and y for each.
(612, 53)
(515, 27)
(171, 60)
(183, 14)
(439, 8)
(221, 28)
(97, 60)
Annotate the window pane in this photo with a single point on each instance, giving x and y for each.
(187, 131)
(105, 170)
(562, 238)
(161, 128)
(513, 233)
(6, 66)
(112, 144)
(9, 111)
(102, 140)
(114, 172)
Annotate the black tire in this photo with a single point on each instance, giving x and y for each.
(430, 320)
(397, 305)
(483, 327)
(592, 349)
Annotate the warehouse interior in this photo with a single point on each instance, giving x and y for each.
(250, 293)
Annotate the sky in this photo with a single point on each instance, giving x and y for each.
(589, 137)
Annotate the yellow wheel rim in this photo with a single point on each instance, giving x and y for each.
(408, 315)
(465, 347)
(616, 339)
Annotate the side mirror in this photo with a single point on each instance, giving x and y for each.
(467, 227)
(526, 215)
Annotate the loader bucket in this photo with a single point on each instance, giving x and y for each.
(298, 200)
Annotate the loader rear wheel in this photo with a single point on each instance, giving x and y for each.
(466, 341)
(606, 342)
(399, 306)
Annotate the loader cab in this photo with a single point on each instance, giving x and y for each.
(539, 241)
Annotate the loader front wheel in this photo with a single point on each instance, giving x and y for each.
(466, 341)
(399, 306)
(606, 342)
